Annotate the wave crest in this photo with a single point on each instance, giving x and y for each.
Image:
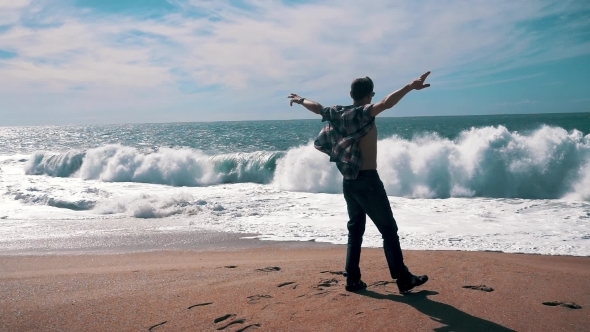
(58, 165)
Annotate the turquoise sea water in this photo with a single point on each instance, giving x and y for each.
(251, 136)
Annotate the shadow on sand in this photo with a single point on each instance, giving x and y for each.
(453, 318)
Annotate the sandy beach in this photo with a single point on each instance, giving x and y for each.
(283, 286)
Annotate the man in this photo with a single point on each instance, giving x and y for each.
(350, 139)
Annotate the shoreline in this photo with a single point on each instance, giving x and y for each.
(191, 241)
(195, 241)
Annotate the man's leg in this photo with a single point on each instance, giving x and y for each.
(356, 230)
(372, 199)
(370, 194)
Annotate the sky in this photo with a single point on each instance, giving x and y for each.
(136, 61)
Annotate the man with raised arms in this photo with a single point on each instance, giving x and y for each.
(350, 139)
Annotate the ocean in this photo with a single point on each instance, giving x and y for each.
(510, 183)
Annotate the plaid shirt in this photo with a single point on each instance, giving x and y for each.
(341, 135)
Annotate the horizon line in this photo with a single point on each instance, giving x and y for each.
(301, 119)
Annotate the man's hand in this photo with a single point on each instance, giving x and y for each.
(393, 98)
(295, 98)
(418, 84)
(309, 104)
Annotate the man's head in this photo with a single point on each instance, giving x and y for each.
(361, 90)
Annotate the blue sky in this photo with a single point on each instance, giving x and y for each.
(117, 61)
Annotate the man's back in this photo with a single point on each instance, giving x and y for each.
(341, 138)
(368, 147)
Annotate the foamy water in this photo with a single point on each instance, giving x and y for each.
(487, 189)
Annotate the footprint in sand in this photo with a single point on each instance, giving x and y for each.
(255, 298)
(154, 327)
(342, 273)
(230, 267)
(286, 284)
(322, 293)
(222, 318)
(237, 321)
(234, 322)
(200, 305)
(327, 283)
(248, 326)
(269, 269)
(570, 305)
(481, 288)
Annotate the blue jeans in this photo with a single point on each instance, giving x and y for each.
(364, 196)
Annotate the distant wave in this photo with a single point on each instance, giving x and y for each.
(58, 165)
(549, 163)
(174, 167)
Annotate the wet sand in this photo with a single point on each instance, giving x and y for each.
(270, 286)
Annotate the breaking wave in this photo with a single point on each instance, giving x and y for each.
(548, 163)
(174, 167)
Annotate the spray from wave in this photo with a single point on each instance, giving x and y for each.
(549, 163)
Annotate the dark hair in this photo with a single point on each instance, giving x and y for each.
(361, 88)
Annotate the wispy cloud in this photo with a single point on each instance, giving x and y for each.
(267, 48)
(461, 85)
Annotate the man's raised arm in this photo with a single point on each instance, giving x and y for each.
(309, 104)
(394, 97)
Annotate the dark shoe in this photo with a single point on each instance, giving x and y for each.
(410, 282)
(355, 286)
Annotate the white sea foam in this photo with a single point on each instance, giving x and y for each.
(484, 162)
(305, 169)
(511, 225)
(581, 190)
